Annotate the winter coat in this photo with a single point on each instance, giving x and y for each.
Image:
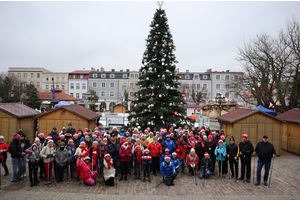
(199, 149)
(233, 150)
(85, 170)
(133, 148)
(47, 150)
(71, 130)
(3, 155)
(191, 143)
(107, 173)
(175, 162)
(265, 151)
(246, 148)
(76, 143)
(26, 144)
(212, 151)
(174, 139)
(103, 149)
(206, 163)
(61, 156)
(216, 140)
(170, 145)
(125, 153)
(42, 140)
(71, 150)
(167, 169)
(15, 149)
(220, 153)
(79, 152)
(135, 156)
(180, 149)
(33, 158)
(162, 143)
(150, 139)
(53, 135)
(39, 148)
(144, 142)
(146, 159)
(192, 159)
(113, 150)
(94, 154)
(155, 149)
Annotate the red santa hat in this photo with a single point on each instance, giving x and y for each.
(161, 129)
(199, 139)
(48, 137)
(94, 135)
(105, 138)
(181, 131)
(50, 141)
(85, 133)
(62, 135)
(70, 140)
(143, 135)
(223, 135)
(75, 135)
(146, 130)
(168, 135)
(41, 134)
(171, 128)
(192, 150)
(147, 150)
(96, 131)
(137, 145)
(192, 135)
(83, 142)
(95, 142)
(213, 132)
(86, 158)
(125, 142)
(166, 149)
(167, 157)
(206, 154)
(172, 133)
(79, 132)
(106, 154)
(174, 153)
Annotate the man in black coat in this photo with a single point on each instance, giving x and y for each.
(71, 129)
(199, 148)
(265, 151)
(113, 150)
(246, 150)
(232, 154)
(16, 158)
(54, 134)
(210, 148)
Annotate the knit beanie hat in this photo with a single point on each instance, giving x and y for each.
(36, 139)
(16, 136)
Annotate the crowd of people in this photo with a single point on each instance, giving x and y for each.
(90, 154)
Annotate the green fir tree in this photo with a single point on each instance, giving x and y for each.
(34, 100)
(158, 102)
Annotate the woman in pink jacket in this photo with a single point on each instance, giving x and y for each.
(86, 174)
(191, 143)
(125, 156)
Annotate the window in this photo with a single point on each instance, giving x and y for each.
(218, 86)
(31, 83)
(236, 77)
(74, 76)
(19, 75)
(102, 93)
(196, 76)
(63, 79)
(57, 79)
(62, 87)
(112, 85)
(131, 85)
(124, 85)
(193, 86)
(31, 75)
(227, 87)
(81, 76)
(83, 96)
(204, 86)
(124, 75)
(83, 86)
(103, 75)
(226, 77)
(77, 95)
(131, 75)
(94, 84)
(227, 95)
(57, 86)
(198, 86)
(47, 87)
(72, 94)
(77, 86)
(187, 86)
(12, 75)
(218, 77)
(111, 93)
(136, 76)
(187, 76)
(112, 76)
(204, 77)
(94, 75)
(204, 95)
(38, 75)
(72, 86)
(131, 94)
(47, 79)
(25, 75)
(102, 84)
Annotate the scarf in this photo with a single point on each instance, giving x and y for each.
(109, 163)
(71, 145)
(139, 155)
(82, 149)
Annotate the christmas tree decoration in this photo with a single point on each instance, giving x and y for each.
(158, 94)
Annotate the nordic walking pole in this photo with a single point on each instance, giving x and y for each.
(195, 176)
(218, 167)
(271, 173)
(54, 173)
(0, 169)
(48, 174)
(203, 175)
(229, 168)
(69, 169)
(253, 168)
(221, 169)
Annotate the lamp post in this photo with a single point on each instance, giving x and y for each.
(220, 99)
(12, 94)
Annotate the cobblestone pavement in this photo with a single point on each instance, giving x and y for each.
(285, 184)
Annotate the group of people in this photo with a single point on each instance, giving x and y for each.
(87, 154)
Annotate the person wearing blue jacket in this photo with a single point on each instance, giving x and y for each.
(220, 153)
(122, 131)
(167, 170)
(170, 144)
(162, 157)
(175, 162)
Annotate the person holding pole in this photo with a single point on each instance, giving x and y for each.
(265, 151)
(220, 153)
(48, 154)
(232, 154)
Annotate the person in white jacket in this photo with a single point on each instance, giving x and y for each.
(48, 154)
(109, 171)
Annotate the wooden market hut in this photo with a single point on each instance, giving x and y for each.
(79, 116)
(119, 108)
(255, 123)
(16, 116)
(291, 131)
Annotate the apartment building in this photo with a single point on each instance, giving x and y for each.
(78, 83)
(60, 80)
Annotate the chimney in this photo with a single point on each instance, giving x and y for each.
(227, 70)
(83, 69)
(127, 70)
(112, 70)
(121, 70)
(187, 71)
(97, 70)
(102, 69)
(209, 70)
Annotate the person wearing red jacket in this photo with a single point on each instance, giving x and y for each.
(180, 150)
(3, 154)
(86, 173)
(94, 153)
(125, 156)
(156, 150)
(192, 160)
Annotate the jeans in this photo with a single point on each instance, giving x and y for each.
(260, 165)
(146, 170)
(137, 169)
(201, 174)
(182, 164)
(23, 165)
(3, 164)
(17, 168)
(60, 172)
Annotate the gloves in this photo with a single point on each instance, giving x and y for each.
(3, 150)
(51, 155)
(48, 156)
(165, 178)
(222, 155)
(218, 153)
(23, 154)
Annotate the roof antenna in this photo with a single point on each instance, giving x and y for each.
(160, 4)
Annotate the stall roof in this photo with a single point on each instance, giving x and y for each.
(19, 110)
(291, 116)
(270, 112)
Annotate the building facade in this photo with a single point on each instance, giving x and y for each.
(60, 80)
(78, 83)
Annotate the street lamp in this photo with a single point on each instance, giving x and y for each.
(220, 99)
(12, 94)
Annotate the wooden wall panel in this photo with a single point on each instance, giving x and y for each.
(284, 137)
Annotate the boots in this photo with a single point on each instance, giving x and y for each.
(31, 184)
(6, 174)
(121, 179)
(149, 180)
(135, 177)
(139, 177)
(144, 179)
(125, 178)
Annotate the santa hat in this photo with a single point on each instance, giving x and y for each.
(85, 133)
(168, 135)
(85, 129)
(114, 127)
(83, 142)
(210, 136)
(96, 131)
(222, 135)
(143, 135)
(50, 141)
(94, 135)
(171, 133)
(174, 153)
(79, 132)
(166, 149)
(199, 139)
(245, 136)
(137, 145)
(75, 135)
(161, 129)
(181, 131)
(147, 150)
(206, 154)
(48, 137)
(133, 134)
(204, 136)
(62, 135)
(213, 132)
(220, 141)
(146, 130)
(70, 140)
(192, 150)
(86, 158)
(41, 134)
(155, 138)
(167, 157)
(191, 132)
(125, 142)
(192, 135)
(106, 154)
(171, 128)
(151, 132)
(104, 138)
(95, 142)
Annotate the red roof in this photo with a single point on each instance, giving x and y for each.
(19, 110)
(59, 96)
(77, 109)
(241, 113)
(80, 72)
(291, 115)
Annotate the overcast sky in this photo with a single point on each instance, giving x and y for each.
(67, 36)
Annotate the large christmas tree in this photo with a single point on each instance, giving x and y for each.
(158, 101)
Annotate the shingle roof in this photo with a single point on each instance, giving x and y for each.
(291, 115)
(19, 110)
(241, 113)
(77, 109)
